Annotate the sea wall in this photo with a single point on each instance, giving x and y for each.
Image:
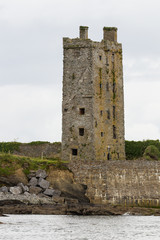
(135, 182)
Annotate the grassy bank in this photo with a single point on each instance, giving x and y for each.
(10, 163)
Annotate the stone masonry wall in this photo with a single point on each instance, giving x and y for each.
(49, 150)
(135, 182)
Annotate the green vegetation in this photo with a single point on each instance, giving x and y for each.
(151, 153)
(9, 147)
(136, 149)
(9, 163)
(37, 143)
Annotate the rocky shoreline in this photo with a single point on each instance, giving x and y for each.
(37, 196)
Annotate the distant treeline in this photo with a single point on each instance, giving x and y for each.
(134, 149)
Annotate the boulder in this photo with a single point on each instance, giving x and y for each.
(41, 173)
(31, 174)
(35, 190)
(4, 189)
(24, 187)
(49, 192)
(15, 190)
(33, 181)
(43, 183)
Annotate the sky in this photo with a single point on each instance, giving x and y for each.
(31, 63)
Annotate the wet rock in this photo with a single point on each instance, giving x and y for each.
(15, 190)
(35, 190)
(33, 181)
(4, 189)
(41, 174)
(43, 183)
(49, 192)
(24, 187)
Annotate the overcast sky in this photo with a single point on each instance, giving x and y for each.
(31, 62)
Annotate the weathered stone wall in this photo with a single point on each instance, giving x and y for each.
(93, 81)
(120, 182)
(49, 150)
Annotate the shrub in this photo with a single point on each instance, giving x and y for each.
(135, 149)
(151, 153)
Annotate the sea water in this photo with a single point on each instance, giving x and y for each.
(59, 227)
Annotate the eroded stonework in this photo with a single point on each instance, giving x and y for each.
(93, 106)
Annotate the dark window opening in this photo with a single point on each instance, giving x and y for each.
(100, 58)
(114, 87)
(101, 112)
(66, 109)
(107, 86)
(81, 131)
(100, 85)
(114, 132)
(102, 134)
(74, 151)
(118, 155)
(114, 112)
(112, 57)
(108, 114)
(108, 156)
(82, 111)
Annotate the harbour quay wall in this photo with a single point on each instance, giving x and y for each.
(127, 182)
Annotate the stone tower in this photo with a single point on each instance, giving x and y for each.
(93, 105)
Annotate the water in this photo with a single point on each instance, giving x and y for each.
(57, 227)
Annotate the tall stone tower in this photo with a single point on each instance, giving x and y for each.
(93, 106)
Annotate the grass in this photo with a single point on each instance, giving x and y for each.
(9, 163)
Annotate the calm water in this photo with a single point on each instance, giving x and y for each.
(28, 227)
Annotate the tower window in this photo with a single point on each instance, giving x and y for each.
(112, 57)
(81, 131)
(100, 85)
(100, 58)
(66, 109)
(82, 111)
(101, 112)
(114, 132)
(114, 87)
(108, 114)
(74, 151)
(114, 112)
(107, 86)
(102, 134)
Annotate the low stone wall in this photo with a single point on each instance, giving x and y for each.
(135, 182)
(48, 150)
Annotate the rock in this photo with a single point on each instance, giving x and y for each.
(15, 190)
(35, 190)
(31, 174)
(49, 192)
(33, 181)
(24, 187)
(41, 173)
(4, 189)
(57, 193)
(27, 194)
(43, 183)
(57, 199)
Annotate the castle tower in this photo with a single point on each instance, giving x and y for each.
(93, 106)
